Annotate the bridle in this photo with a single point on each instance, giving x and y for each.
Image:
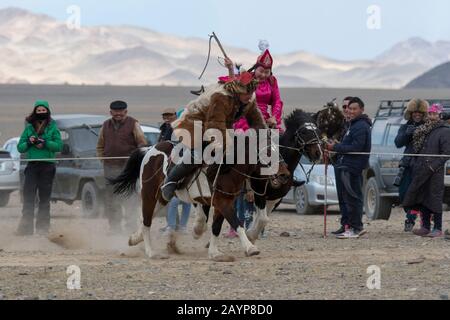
(299, 139)
(302, 144)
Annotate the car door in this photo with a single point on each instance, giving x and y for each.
(378, 138)
(61, 184)
(390, 160)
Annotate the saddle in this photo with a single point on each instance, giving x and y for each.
(194, 185)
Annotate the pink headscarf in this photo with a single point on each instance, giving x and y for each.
(435, 107)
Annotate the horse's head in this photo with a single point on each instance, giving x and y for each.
(306, 135)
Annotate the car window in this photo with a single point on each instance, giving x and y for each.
(84, 140)
(12, 149)
(64, 136)
(378, 131)
(152, 137)
(392, 134)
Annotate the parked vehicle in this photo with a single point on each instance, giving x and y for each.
(83, 179)
(380, 194)
(9, 176)
(309, 198)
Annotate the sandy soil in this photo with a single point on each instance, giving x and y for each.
(303, 265)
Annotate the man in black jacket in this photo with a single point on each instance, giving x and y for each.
(357, 139)
(337, 171)
(415, 114)
(169, 115)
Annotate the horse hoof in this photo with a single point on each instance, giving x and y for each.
(159, 256)
(223, 258)
(172, 248)
(133, 241)
(253, 251)
(196, 235)
(198, 231)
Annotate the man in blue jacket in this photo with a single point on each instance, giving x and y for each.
(356, 139)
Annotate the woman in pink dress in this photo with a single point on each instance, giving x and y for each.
(267, 93)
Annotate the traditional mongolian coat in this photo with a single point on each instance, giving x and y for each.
(217, 108)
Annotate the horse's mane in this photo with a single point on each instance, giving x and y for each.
(295, 119)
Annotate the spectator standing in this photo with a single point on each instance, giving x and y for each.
(40, 140)
(415, 116)
(426, 189)
(356, 139)
(119, 137)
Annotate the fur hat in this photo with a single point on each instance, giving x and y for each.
(416, 105)
(243, 83)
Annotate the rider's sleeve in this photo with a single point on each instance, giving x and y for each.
(277, 104)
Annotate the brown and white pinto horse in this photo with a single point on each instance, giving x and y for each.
(301, 137)
(149, 167)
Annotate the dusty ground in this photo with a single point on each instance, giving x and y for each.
(301, 266)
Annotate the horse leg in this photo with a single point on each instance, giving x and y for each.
(255, 228)
(261, 220)
(137, 236)
(227, 210)
(201, 219)
(213, 250)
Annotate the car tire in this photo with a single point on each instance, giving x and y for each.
(302, 206)
(91, 202)
(4, 199)
(375, 206)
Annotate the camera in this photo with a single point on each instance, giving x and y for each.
(445, 116)
(398, 179)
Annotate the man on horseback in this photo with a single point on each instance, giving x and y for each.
(217, 108)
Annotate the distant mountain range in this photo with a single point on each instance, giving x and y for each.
(38, 49)
(436, 78)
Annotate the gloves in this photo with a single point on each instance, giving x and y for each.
(40, 143)
(32, 141)
(410, 130)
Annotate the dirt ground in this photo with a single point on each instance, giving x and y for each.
(303, 265)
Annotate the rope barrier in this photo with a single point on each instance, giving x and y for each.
(64, 159)
(331, 152)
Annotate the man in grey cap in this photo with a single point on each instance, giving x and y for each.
(119, 137)
(169, 115)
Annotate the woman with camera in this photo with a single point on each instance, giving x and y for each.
(40, 141)
(415, 114)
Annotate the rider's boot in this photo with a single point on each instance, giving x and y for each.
(176, 174)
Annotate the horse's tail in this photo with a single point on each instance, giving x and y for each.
(125, 183)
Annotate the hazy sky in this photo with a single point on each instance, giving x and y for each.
(336, 29)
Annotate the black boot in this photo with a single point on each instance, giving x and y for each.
(176, 174)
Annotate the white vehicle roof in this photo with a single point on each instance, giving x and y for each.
(150, 129)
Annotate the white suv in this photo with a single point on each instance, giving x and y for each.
(9, 170)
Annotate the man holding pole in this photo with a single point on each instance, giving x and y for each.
(356, 140)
